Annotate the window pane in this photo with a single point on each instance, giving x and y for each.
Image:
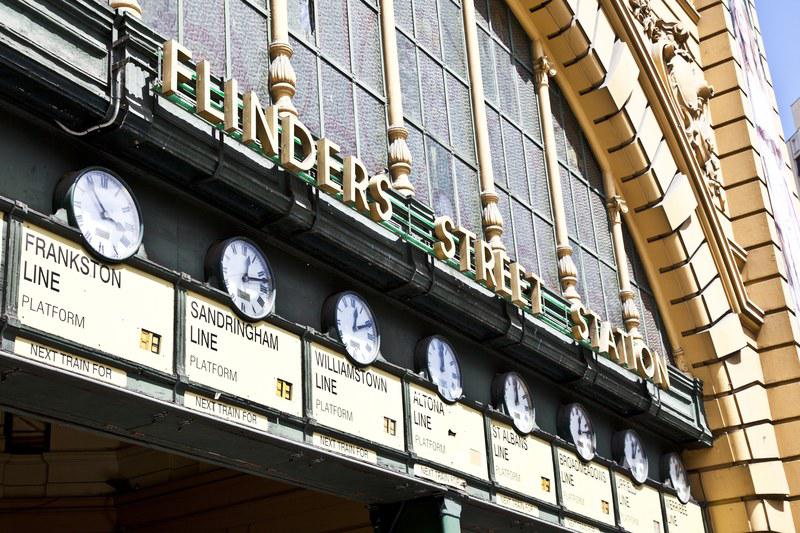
(371, 131)
(526, 239)
(468, 197)
(409, 79)
(337, 105)
(529, 106)
(583, 212)
(301, 18)
(366, 46)
(537, 175)
(306, 99)
(403, 16)
(487, 66)
(521, 43)
(546, 245)
(250, 57)
(460, 118)
(419, 166)
(558, 123)
(505, 83)
(427, 23)
(204, 32)
(499, 15)
(605, 247)
(611, 288)
(569, 205)
(482, 12)
(517, 176)
(496, 144)
(334, 39)
(594, 285)
(441, 174)
(435, 107)
(453, 37)
(162, 16)
(509, 224)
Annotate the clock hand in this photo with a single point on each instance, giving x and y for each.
(246, 269)
(103, 210)
(247, 278)
(441, 359)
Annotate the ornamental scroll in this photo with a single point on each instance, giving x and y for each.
(690, 91)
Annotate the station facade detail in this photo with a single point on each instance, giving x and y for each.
(477, 266)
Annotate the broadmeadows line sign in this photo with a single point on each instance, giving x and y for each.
(286, 139)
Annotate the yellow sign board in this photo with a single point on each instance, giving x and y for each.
(523, 463)
(639, 506)
(366, 402)
(66, 292)
(256, 361)
(585, 487)
(683, 518)
(451, 435)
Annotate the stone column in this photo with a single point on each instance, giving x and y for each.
(567, 272)
(616, 208)
(492, 218)
(399, 157)
(283, 79)
(127, 6)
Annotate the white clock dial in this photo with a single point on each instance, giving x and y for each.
(106, 214)
(678, 479)
(581, 432)
(357, 329)
(248, 278)
(518, 402)
(443, 368)
(634, 457)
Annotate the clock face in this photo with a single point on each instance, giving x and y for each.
(247, 278)
(442, 366)
(106, 214)
(581, 431)
(677, 477)
(357, 328)
(517, 401)
(631, 454)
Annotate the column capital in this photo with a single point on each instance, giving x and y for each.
(283, 79)
(127, 6)
(544, 70)
(617, 206)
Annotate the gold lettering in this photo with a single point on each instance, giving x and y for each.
(606, 341)
(662, 373)
(645, 364)
(203, 95)
(620, 353)
(501, 288)
(535, 293)
(356, 182)
(326, 149)
(594, 328)
(259, 125)
(465, 243)
(517, 273)
(484, 264)
(380, 210)
(174, 70)
(231, 105)
(292, 128)
(445, 246)
(580, 330)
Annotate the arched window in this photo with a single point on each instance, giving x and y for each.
(232, 35)
(516, 140)
(436, 104)
(340, 90)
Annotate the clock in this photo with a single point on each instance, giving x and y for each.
(512, 396)
(436, 358)
(629, 453)
(349, 315)
(676, 476)
(104, 210)
(575, 426)
(244, 272)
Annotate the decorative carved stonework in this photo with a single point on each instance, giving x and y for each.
(689, 89)
(127, 6)
(400, 160)
(492, 220)
(283, 79)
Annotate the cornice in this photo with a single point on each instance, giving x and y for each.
(752, 316)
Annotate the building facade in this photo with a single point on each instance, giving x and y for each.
(395, 265)
(794, 140)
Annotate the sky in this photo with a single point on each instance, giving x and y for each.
(780, 22)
